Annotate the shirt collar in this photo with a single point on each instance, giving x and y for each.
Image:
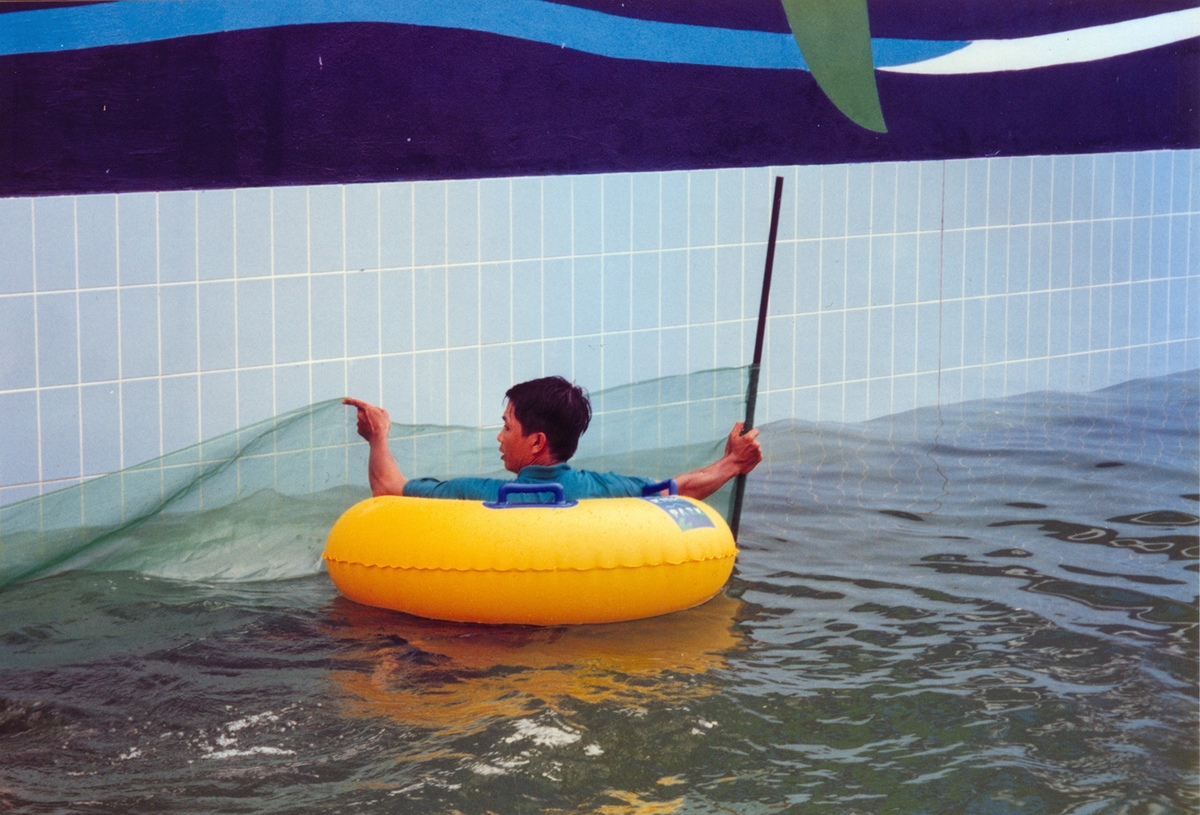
(543, 472)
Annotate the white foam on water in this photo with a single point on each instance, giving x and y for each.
(542, 735)
(253, 751)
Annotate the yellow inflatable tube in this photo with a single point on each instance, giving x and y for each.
(594, 561)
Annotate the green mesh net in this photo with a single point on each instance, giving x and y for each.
(257, 503)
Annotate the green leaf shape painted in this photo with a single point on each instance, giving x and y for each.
(835, 40)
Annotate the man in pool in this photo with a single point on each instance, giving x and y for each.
(543, 421)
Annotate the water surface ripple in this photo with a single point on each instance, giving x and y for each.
(988, 608)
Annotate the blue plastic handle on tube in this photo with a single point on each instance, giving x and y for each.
(506, 490)
(653, 489)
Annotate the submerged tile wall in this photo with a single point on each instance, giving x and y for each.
(135, 325)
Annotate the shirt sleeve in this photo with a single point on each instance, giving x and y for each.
(465, 489)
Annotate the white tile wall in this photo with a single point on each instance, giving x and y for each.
(135, 325)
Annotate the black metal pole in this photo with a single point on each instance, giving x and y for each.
(739, 487)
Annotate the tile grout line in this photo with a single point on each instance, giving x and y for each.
(1092, 267)
(446, 301)
(479, 302)
(1049, 264)
(412, 298)
(1149, 280)
(1090, 288)
(120, 344)
(574, 357)
(1115, 220)
(274, 369)
(845, 288)
(820, 313)
(1170, 270)
(37, 354)
(512, 361)
(687, 282)
(1029, 277)
(870, 271)
(345, 275)
(603, 283)
(199, 338)
(659, 253)
(237, 344)
(892, 297)
(271, 260)
(631, 331)
(379, 287)
(308, 362)
(78, 349)
(1008, 279)
(985, 272)
(542, 269)
(159, 326)
(1112, 251)
(1188, 304)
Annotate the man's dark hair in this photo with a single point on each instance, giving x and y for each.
(553, 406)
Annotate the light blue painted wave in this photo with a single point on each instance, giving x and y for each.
(593, 32)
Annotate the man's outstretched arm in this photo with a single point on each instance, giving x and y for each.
(382, 469)
(742, 454)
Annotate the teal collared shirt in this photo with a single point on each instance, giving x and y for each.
(576, 484)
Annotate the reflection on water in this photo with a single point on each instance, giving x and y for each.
(988, 609)
(456, 679)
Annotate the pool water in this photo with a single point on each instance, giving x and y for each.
(987, 608)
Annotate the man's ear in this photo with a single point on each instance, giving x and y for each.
(538, 442)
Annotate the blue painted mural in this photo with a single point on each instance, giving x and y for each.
(123, 96)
